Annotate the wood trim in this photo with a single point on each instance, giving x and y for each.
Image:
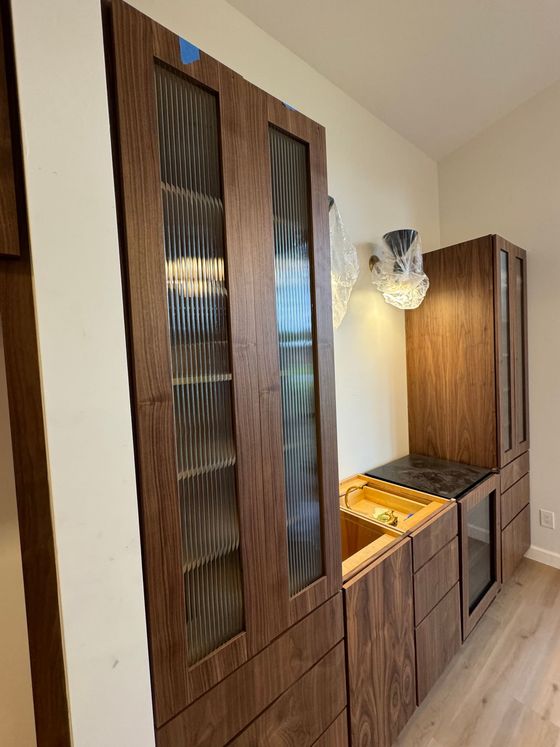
(515, 499)
(12, 197)
(435, 579)
(434, 535)
(490, 486)
(23, 379)
(303, 713)
(222, 713)
(514, 471)
(337, 733)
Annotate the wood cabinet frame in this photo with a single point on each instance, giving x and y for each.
(490, 486)
(135, 43)
(519, 444)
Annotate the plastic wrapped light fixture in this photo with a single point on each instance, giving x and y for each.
(396, 269)
(344, 264)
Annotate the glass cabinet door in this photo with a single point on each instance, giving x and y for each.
(511, 333)
(480, 537)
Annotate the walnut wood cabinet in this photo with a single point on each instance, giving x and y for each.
(467, 355)
(224, 225)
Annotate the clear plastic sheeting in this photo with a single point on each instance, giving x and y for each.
(397, 270)
(344, 265)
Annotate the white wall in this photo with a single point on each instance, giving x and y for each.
(507, 181)
(380, 182)
(17, 726)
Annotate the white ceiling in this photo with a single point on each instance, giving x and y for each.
(437, 71)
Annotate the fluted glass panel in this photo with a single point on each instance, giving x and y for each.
(290, 196)
(505, 353)
(202, 380)
(520, 384)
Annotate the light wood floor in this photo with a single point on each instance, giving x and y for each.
(503, 687)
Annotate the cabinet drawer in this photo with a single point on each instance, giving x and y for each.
(516, 539)
(300, 716)
(435, 579)
(515, 499)
(432, 536)
(514, 471)
(438, 638)
(337, 733)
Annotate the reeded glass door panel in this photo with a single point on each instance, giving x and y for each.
(480, 550)
(505, 353)
(520, 383)
(202, 380)
(294, 315)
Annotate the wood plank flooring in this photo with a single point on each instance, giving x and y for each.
(503, 687)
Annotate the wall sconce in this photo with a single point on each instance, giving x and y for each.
(396, 269)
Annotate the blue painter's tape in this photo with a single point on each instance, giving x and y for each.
(189, 53)
(291, 108)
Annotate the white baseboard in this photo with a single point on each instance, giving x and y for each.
(543, 556)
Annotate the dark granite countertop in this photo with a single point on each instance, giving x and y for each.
(431, 475)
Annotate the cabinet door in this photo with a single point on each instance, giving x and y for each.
(511, 347)
(296, 356)
(380, 649)
(210, 547)
(480, 550)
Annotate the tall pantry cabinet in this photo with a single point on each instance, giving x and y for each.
(467, 372)
(224, 232)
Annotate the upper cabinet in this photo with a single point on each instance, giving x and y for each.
(467, 355)
(224, 225)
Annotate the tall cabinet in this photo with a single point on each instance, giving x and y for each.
(224, 228)
(467, 372)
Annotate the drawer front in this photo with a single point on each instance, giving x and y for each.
(516, 539)
(515, 499)
(438, 638)
(514, 471)
(435, 534)
(215, 718)
(301, 716)
(435, 579)
(337, 733)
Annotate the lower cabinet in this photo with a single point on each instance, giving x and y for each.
(516, 539)
(438, 638)
(381, 675)
(515, 514)
(305, 713)
(289, 694)
(337, 733)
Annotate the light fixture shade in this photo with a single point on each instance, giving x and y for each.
(344, 264)
(397, 271)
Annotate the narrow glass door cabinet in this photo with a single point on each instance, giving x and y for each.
(224, 218)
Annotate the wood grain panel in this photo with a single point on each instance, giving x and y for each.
(514, 471)
(380, 648)
(514, 500)
(451, 357)
(302, 713)
(11, 173)
(435, 579)
(23, 380)
(438, 638)
(516, 540)
(222, 713)
(337, 733)
(434, 535)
